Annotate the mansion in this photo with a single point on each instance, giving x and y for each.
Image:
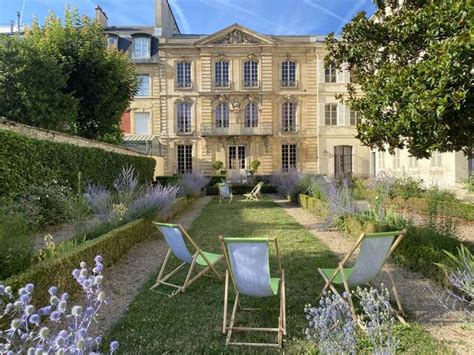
(236, 96)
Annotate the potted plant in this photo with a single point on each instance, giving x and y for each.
(217, 166)
(254, 164)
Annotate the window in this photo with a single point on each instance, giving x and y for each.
(237, 157)
(141, 47)
(330, 73)
(251, 73)
(381, 160)
(221, 115)
(183, 113)
(183, 75)
(288, 73)
(251, 115)
(412, 162)
(142, 123)
(221, 74)
(112, 41)
(143, 85)
(396, 160)
(342, 160)
(330, 114)
(288, 157)
(436, 160)
(185, 159)
(288, 123)
(354, 116)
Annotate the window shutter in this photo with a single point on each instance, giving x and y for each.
(320, 64)
(322, 112)
(347, 112)
(340, 115)
(340, 76)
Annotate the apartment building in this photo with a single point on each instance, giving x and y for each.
(236, 96)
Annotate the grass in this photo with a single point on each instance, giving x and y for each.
(191, 322)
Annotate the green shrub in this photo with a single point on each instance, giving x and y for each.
(27, 161)
(16, 243)
(406, 187)
(314, 205)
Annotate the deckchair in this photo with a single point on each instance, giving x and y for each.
(225, 193)
(175, 236)
(255, 193)
(375, 249)
(248, 268)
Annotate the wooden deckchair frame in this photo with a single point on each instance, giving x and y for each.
(400, 313)
(220, 195)
(228, 328)
(255, 194)
(161, 279)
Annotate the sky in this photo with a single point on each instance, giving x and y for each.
(317, 17)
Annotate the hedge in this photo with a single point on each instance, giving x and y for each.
(314, 205)
(112, 246)
(27, 161)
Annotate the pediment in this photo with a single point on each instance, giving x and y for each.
(235, 34)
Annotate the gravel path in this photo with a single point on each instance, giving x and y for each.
(124, 279)
(418, 294)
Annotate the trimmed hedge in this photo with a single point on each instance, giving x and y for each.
(112, 246)
(27, 161)
(314, 205)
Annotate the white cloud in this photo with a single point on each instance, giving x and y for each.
(183, 21)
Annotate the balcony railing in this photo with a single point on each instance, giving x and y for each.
(289, 128)
(289, 84)
(184, 85)
(235, 129)
(250, 84)
(222, 84)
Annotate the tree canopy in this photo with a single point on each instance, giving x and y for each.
(411, 75)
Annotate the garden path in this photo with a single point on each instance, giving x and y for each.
(419, 295)
(124, 279)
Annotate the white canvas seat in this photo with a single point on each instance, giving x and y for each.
(225, 193)
(255, 194)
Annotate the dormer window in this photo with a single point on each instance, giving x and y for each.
(141, 47)
(112, 40)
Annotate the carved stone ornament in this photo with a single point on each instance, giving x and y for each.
(236, 37)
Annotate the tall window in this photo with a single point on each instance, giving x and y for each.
(330, 73)
(436, 160)
(288, 157)
(251, 115)
(183, 75)
(330, 114)
(141, 47)
(185, 158)
(221, 74)
(381, 160)
(288, 73)
(183, 115)
(288, 123)
(342, 160)
(237, 157)
(143, 85)
(251, 73)
(142, 123)
(221, 114)
(396, 160)
(354, 116)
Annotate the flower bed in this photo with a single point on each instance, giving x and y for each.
(111, 246)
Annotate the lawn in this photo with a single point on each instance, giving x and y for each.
(191, 322)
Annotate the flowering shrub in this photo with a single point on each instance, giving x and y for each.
(340, 200)
(378, 321)
(192, 184)
(152, 201)
(126, 185)
(287, 184)
(58, 327)
(100, 201)
(331, 326)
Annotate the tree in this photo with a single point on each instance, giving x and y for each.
(100, 78)
(31, 87)
(413, 64)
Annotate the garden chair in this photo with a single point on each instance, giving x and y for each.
(225, 193)
(175, 236)
(248, 267)
(375, 249)
(254, 195)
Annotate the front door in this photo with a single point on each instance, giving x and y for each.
(237, 162)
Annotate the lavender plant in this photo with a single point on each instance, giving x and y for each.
(152, 201)
(100, 201)
(126, 185)
(287, 184)
(192, 184)
(382, 185)
(331, 325)
(378, 319)
(340, 200)
(57, 328)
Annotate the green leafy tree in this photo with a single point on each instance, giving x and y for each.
(413, 64)
(100, 78)
(32, 87)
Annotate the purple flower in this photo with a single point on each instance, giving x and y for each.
(53, 290)
(192, 184)
(114, 345)
(34, 319)
(55, 316)
(98, 259)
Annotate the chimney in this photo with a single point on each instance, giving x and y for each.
(101, 16)
(158, 14)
